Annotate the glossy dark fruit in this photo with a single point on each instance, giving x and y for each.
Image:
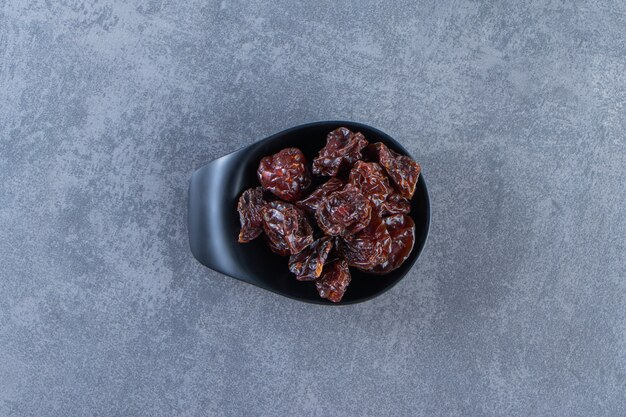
(346, 210)
(312, 202)
(370, 178)
(286, 227)
(343, 148)
(250, 208)
(403, 171)
(334, 281)
(357, 218)
(401, 228)
(285, 174)
(369, 247)
(278, 246)
(395, 204)
(307, 264)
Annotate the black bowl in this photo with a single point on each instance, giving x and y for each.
(214, 222)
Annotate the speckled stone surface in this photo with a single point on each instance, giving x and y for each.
(517, 113)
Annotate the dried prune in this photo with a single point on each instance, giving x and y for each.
(250, 208)
(278, 246)
(369, 247)
(285, 174)
(311, 203)
(402, 231)
(370, 178)
(395, 204)
(403, 171)
(343, 148)
(307, 265)
(286, 227)
(334, 281)
(361, 210)
(345, 210)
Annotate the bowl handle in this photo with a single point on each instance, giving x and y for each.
(212, 216)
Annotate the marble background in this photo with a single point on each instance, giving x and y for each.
(516, 112)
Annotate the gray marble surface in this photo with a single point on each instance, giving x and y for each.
(517, 113)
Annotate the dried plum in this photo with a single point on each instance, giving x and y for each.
(250, 208)
(395, 204)
(312, 202)
(343, 148)
(370, 178)
(286, 227)
(285, 174)
(403, 171)
(334, 281)
(369, 247)
(361, 211)
(307, 264)
(345, 210)
(402, 231)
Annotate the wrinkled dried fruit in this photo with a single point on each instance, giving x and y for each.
(403, 171)
(278, 246)
(311, 203)
(369, 247)
(395, 204)
(285, 174)
(286, 227)
(370, 178)
(334, 281)
(361, 211)
(345, 210)
(307, 265)
(402, 231)
(343, 148)
(250, 208)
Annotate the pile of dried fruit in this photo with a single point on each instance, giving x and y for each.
(358, 218)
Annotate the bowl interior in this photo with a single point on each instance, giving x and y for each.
(270, 271)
